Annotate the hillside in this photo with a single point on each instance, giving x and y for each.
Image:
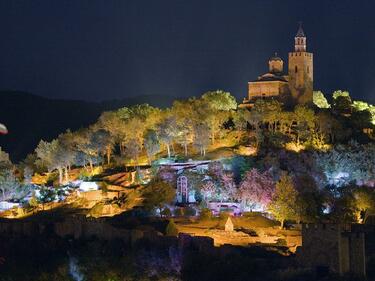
(30, 118)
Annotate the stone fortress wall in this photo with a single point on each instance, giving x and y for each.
(339, 248)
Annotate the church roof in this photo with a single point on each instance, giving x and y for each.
(300, 32)
(275, 57)
(270, 77)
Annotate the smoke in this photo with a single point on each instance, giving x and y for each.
(74, 269)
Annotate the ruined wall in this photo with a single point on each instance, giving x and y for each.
(321, 246)
(341, 248)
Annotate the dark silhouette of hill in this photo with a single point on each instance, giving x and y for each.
(30, 118)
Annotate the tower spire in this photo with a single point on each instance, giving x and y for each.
(300, 40)
(300, 32)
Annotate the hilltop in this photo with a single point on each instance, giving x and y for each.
(31, 118)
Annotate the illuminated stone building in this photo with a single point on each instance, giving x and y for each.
(296, 85)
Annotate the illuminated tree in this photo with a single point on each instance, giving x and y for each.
(151, 144)
(215, 109)
(256, 189)
(360, 105)
(283, 203)
(171, 229)
(344, 164)
(4, 159)
(342, 103)
(201, 137)
(220, 100)
(320, 100)
(115, 125)
(48, 153)
(340, 93)
(228, 190)
(364, 198)
(167, 131)
(310, 200)
(328, 126)
(157, 194)
(185, 116)
(305, 120)
(133, 149)
(208, 190)
(240, 119)
(9, 184)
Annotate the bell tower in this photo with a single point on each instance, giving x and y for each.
(300, 70)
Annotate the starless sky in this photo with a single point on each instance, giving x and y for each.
(106, 49)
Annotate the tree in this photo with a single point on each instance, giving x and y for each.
(320, 100)
(4, 159)
(201, 137)
(86, 143)
(305, 120)
(133, 149)
(104, 142)
(256, 189)
(364, 198)
(283, 203)
(171, 229)
(9, 184)
(151, 143)
(220, 100)
(342, 103)
(310, 200)
(115, 125)
(208, 191)
(215, 107)
(184, 111)
(158, 193)
(167, 131)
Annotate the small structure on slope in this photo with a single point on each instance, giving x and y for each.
(229, 225)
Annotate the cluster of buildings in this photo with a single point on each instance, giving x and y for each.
(295, 85)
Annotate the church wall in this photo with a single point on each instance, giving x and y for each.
(266, 89)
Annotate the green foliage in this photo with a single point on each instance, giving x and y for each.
(4, 159)
(284, 200)
(10, 186)
(33, 202)
(179, 212)
(166, 212)
(189, 211)
(171, 229)
(310, 200)
(205, 214)
(158, 193)
(220, 100)
(320, 100)
(224, 215)
(47, 194)
(342, 102)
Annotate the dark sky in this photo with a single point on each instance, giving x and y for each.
(104, 49)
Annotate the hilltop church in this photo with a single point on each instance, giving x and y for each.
(296, 86)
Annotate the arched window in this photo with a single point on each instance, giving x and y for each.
(295, 69)
(308, 69)
(182, 188)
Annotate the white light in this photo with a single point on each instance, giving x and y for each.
(88, 186)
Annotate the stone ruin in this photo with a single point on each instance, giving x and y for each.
(338, 248)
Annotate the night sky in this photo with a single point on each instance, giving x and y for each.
(104, 49)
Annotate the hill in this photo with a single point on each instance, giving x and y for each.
(30, 118)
